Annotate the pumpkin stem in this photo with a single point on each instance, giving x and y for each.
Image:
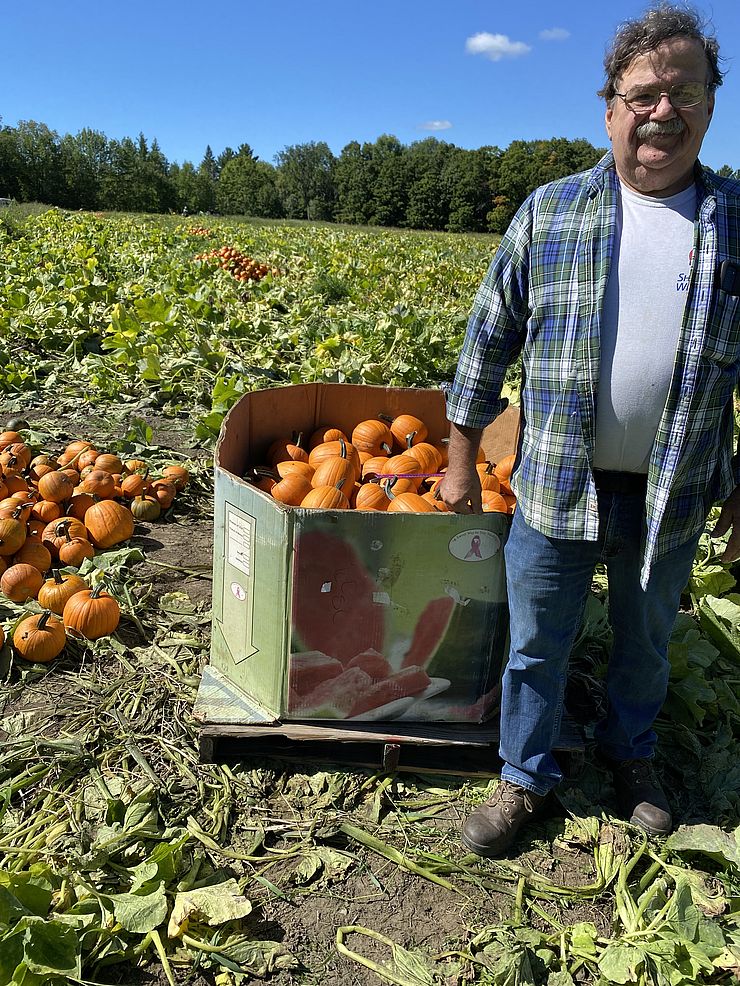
(388, 487)
(57, 574)
(342, 448)
(97, 590)
(386, 448)
(410, 439)
(43, 619)
(385, 417)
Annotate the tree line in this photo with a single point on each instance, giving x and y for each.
(429, 184)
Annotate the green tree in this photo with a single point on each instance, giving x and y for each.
(248, 187)
(727, 172)
(306, 180)
(354, 178)
(10, 164)
(466, 179)
(390, 192)
(428, 195)
(39, 177)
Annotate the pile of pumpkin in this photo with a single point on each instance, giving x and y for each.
(384, 464)
(243, 268)
(54, 513)
(199, 231)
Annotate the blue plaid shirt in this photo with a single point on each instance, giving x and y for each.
(543, 297)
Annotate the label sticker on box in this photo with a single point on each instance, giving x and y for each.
(475, 545)
(239, 541)
(238, 591)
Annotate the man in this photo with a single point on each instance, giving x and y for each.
(618, 286)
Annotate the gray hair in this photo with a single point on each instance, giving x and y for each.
(646, 33)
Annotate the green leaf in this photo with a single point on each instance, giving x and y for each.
(140, 809)
(709, 840)
(31, 891)
(11, 955)
(726, 609)
(712, 580)
(621, 963)
(140, 913)
(50, 948)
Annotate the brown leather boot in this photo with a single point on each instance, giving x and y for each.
(492, 828)
(640, 797)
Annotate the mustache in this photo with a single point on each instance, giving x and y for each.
(660, 128)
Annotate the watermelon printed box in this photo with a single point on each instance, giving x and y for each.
(346, 614)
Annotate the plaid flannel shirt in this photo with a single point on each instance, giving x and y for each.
(543, 296)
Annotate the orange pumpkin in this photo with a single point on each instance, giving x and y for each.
(373, 436)
(488, 478)
(21, 582)
(109, 523)
(408, 430)
(33, 552)
(55, 591)
(75, 550)
(91, 613)
(410, 503)
(55, 486)
(371, 496)
(493, 502)
(505, 466)
(404, 466)
(285, 448)
(56, 533)
(326, 433)
(291, 490)
(180, 476)
(334, 471)
(326, 498)
(39, 638)
(99, 483)
(428, 456)
(12, 535)
(46, 510)
(341, 448)
(109, 463)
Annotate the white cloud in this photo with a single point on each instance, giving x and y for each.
(435, 125)
(554, 34)
(495, 46)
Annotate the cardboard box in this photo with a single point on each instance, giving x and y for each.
(346, 614)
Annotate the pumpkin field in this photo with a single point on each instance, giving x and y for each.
(124, 340)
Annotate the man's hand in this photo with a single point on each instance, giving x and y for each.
(460, 488)
(460, 491)
(730, 518)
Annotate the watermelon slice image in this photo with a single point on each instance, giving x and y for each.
(372, 663)
(429, 632)
(411, 681)
(334, 605)
(309, 669)
(334, 697)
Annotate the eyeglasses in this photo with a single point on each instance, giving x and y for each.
(643, 99)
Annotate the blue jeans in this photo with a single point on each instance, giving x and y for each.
(548, 583)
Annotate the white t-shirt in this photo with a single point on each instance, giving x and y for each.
(643, 308)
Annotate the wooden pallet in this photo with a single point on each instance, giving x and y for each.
(233, 730)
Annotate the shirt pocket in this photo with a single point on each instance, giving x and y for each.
(722, 340)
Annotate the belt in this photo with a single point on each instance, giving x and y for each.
(608, 481)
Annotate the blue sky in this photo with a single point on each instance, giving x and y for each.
(281, 72)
